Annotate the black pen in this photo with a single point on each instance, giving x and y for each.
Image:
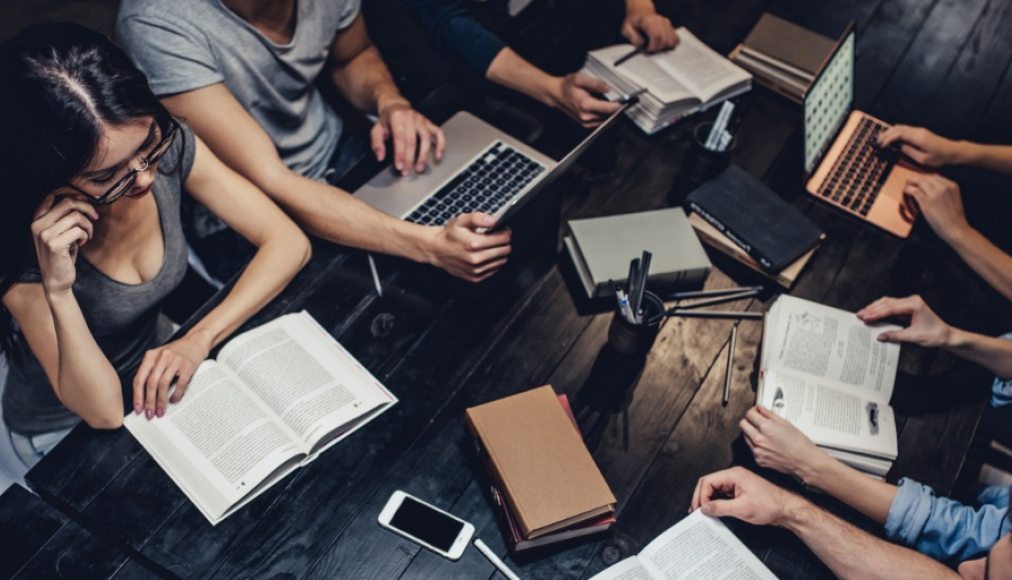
(630, 284)
(639, 49)
(642, 286)
(730, 365)
(728, 314)
(720, 299)
(709, 293)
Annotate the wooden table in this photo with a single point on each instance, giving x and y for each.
(442, 345)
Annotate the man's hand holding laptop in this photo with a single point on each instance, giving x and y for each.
(457, 248)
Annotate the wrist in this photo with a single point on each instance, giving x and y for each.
(963, 152)
(954, 338)
(639, 8)
(817, 471)
(387, 98)
(796, 511)
(550, 92)
(58, 297)
(420, 243)
(204, 338)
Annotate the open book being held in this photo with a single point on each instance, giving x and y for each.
(276, 397)
(688, 78)
(825, 371)
(696, 547)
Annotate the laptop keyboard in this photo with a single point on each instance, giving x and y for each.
(858, 174)
(486, 185)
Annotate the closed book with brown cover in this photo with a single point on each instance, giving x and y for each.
(548, 476)
(789, 43)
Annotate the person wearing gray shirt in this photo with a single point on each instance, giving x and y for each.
(243, 73)
(94, 167)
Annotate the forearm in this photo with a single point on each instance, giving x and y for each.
(852, 553)
(366, 82)
(640, 7)
(511, 70)
(337, 216)
(273, 266)
(997, 158)
(986, 259)
(86, 382)
(994, 354)
(871, 497)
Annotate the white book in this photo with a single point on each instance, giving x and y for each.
(276, 397)
(825, 371)
(698, 548)
(689, 78)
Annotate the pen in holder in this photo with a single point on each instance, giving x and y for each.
(701, 164)
(636, 338)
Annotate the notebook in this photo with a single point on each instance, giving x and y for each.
(549, 480)
(602, 247)
(769, 229)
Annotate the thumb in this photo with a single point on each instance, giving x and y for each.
(895, 336)
(475, 220)
(719, 508)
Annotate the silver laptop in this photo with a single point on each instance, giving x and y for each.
(483, 169)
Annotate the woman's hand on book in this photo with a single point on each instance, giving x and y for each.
(645, 28)
(779, 445)
(60, 227)
(924, 328)
(175, 362)
(741, 494)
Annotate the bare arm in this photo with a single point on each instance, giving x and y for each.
(329, 212)
(987, 260)
(931, 150)
(997, 158)
(846, 550)
(282, 250)
(853, 553)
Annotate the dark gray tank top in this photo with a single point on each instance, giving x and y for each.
(124, 318)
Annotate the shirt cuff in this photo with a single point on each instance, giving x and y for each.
(909, 512)
(1001, 390)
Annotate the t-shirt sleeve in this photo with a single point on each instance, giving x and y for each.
(454, 29)
(31, 274)
(174, 58)
(349, 11)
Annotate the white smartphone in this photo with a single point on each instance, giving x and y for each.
(426, 524)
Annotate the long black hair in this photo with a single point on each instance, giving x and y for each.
(59, 85)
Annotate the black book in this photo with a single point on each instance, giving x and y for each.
(755, 218)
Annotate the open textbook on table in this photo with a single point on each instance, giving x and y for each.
(276, 397)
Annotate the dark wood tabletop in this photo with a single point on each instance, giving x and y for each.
(654, 426)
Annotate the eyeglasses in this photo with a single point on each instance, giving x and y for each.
(123, 185)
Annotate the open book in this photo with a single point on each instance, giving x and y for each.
(689, 78)
(824, 370)
(698, 547)
(276, 397)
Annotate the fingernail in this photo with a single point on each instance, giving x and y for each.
(148, 414)
(138, 409)
(161, 411)
(400, 167)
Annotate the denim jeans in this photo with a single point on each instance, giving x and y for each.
(31, 448)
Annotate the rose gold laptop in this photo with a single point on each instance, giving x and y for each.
(843, 165)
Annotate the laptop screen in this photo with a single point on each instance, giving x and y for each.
(828, 101)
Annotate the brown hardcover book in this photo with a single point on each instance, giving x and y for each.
(548, 477)
(790, 44)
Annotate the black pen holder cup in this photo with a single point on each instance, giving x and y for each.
(634, 339)
(700, 165)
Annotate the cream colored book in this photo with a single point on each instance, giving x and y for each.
(276, 397)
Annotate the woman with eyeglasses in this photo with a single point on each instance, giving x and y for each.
(92, 170)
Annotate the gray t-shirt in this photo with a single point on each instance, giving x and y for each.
(124, 318)
(184, 45)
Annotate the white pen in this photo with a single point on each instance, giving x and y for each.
(496, 561)
(375, 276)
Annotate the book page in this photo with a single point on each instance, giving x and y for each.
(699, 68)
(217, 443)
(629, 569)
(304, 376)
(828, 343)
(640, 71)
(702, 548)
(830, 416)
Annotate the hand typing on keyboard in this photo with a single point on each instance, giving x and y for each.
(457, 248)
(940, 201)
(921, 145)
(415, 138)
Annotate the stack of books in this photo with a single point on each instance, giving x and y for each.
(783, 56)
(825, 371)
(689, 78)
(542, 478)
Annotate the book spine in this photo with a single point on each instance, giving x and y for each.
(747, 247)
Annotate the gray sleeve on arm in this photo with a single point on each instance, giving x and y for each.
(174, 59)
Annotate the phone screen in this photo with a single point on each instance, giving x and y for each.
(426, 524)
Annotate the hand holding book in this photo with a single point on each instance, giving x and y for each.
(780, 446)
